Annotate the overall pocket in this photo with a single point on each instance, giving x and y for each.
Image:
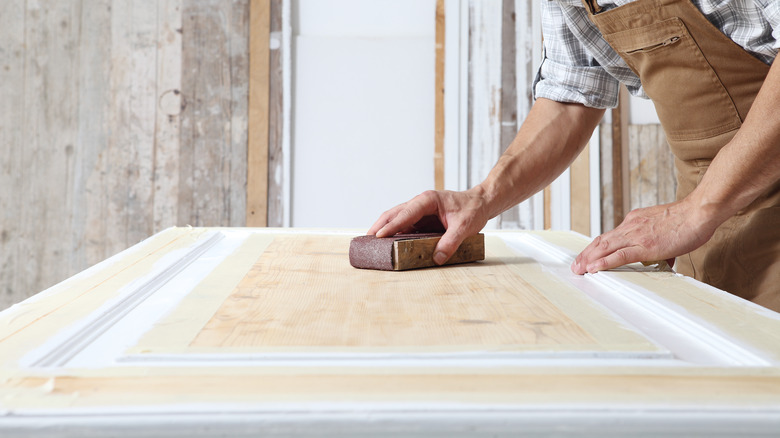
(691, 101)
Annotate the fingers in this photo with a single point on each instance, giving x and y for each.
(620, 257)
(447, 245)
(404, 216)
(599, 248)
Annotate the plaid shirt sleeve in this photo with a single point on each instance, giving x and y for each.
(770, 9)
(579, 66)
(569, 73)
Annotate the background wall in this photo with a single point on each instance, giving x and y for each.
(120, 118)
(117, 119)
(362, 108)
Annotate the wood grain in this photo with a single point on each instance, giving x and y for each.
(276, 158)
(170, 102)
(438, 153)
(214, 140)
(418, 253)
(511, 217)
(99, 147)
(651, 164)
(12, 136)
(257, 153)
(553, 389)
(302, 293)
(580, 193)
(620, 184)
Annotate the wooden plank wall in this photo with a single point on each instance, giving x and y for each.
(651, 178)
(502, 46)
(119, 118)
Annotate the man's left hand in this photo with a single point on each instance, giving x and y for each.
(655, 233)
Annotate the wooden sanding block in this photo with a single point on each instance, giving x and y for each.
(409, 251)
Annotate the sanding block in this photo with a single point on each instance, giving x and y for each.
(409, 251)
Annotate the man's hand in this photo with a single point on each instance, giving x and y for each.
(548, 141)
(655, 233)
(461, 214)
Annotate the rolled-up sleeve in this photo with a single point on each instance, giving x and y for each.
(569, 73)
(770, 9)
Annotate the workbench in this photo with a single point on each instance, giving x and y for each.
(254, 332)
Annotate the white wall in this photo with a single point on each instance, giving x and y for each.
(362, 108)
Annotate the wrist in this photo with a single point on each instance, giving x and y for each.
(486, 195)
(706, 213)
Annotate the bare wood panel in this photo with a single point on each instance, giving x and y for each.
(302, 293)
(257, 154)
(531, 388)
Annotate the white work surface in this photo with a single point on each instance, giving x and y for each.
(269, 332)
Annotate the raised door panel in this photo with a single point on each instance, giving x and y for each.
(196, 322)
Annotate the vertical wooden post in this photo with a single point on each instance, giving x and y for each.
(438, 154)
(620, 172)
(511, 217)
(257, 148)
(278, 159)
(580, 193)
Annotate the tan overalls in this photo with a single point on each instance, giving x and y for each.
(702, 85)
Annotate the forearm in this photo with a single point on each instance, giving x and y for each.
(548, 141)
(750, 164)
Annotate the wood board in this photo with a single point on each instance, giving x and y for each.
(226, 330)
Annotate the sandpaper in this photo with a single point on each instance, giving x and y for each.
(371, 252)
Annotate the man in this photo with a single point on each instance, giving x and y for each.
(706, 66)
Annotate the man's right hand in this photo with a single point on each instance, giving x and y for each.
(460, 214)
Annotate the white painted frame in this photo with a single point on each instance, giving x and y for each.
(101, 339)
(691, 340)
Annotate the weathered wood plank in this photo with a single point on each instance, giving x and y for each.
(170, 103)
(276, 159)
(438, 140)
(212, 188)
(653, 179)
(238, 46)
(257, 147)
(607, 203)
(90, 191)
(130, 166)
(667, 176)
(528, 44)
(418, 253)
(580, 193)
(484, 88)
(90, 105)
(509, 123)
(49, 139)
(12, 138)
(620, 185)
